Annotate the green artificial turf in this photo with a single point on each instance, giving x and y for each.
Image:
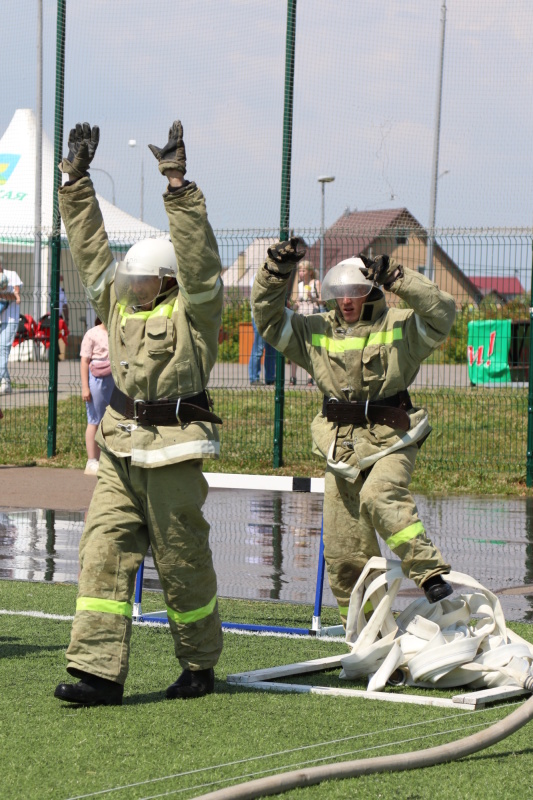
(158, 748)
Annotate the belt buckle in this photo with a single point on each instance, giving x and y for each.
(178, 408)
(366, 412)
(135, 404)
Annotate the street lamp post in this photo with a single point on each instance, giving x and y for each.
(323, 179)
(436, 147)
(133, 143)
(98, 169)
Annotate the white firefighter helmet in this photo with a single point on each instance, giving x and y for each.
(138, 279)
(345, 279)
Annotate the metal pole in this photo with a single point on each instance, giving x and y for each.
(142, 189)
(279, 402)
(321, 272)
(436, 146)
(529, 458)
(37, 236)
(323, 179)
(319, 590)
(56, 230)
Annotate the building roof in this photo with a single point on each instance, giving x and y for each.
(499, 285)
(355, 231)
(242, 272)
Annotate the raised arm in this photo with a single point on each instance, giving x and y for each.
(83, 219)
(434, 309)
(199, 266)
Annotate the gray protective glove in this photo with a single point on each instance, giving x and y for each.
(287, 254)
(82, 143)
(172, 155)
(381, 270)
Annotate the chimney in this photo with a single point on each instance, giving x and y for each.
(241, 264)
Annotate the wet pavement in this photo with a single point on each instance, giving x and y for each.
(266, 543)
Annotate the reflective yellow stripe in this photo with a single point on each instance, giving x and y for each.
(405, 535)
(386, 337)
(343, 610)
(103, 606)
(355, 342)
(165, 310)
(185, 617)
(337, 345)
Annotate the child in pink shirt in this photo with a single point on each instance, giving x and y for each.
(96, 387)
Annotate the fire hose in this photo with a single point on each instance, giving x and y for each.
(284, 782)
(435, 658)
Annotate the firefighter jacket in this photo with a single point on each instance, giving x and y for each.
(371, 359)
(167, 352)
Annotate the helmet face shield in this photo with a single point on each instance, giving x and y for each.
(135, 290)
(345, 279)
(139, 278)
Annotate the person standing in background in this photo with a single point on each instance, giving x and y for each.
(254, 364)
(10, 284)
(305, 300)
(63, 302)
(97, 386)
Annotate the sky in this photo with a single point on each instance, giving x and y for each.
(365, 100)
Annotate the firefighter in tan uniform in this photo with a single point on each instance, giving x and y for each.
(162, 308)
(363, 357)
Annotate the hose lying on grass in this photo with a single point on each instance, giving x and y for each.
(429, 645)
(278, 784)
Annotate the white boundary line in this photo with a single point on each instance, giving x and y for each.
(149, 624)
(38, 614)
(269, 483)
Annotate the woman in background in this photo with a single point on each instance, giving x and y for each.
(305, 300)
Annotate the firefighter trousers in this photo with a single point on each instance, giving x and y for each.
(131, 509)
(379, 501)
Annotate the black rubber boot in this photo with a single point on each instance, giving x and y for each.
(192, 684)
(436, 588)
(91, 691)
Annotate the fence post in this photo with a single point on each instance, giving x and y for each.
(279, 401)
(56, 232)
(529, 460)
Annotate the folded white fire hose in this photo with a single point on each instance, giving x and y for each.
(460, 641)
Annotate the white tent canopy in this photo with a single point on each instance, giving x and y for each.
(17, 186)
(18, 166)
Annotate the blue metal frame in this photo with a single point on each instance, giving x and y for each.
(160, 616)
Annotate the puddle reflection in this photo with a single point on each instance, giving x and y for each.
(265, 545)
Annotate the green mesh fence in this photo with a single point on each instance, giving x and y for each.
(480, 426)
(373, 168)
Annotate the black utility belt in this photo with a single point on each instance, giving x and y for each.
(391, 411)
(165, 412)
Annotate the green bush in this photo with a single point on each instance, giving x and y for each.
(236, 310)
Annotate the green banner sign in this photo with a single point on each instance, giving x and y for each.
(488, 348)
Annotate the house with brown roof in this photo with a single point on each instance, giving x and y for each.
(502, 289)
(393, 232)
